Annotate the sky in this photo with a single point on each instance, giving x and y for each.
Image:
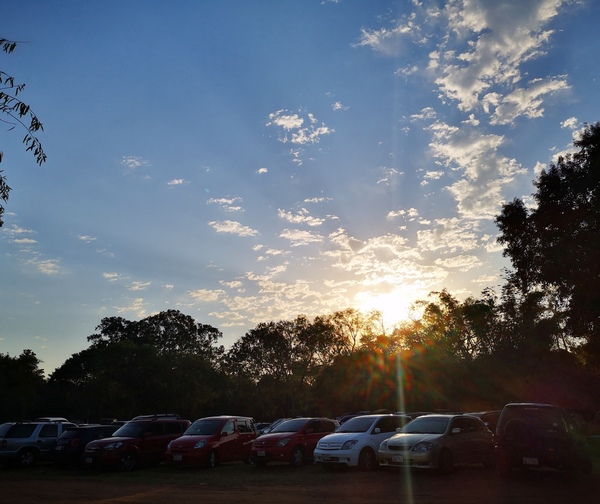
(250, 161)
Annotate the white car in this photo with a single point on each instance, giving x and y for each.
(356, 441)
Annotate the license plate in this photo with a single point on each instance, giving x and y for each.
(177, 458)
(89, 460)
(530, 461)
(261, 453)
(397, 458)
(325, 457)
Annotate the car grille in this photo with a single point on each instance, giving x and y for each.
(329, 446)
(399, 448)
(259, 443)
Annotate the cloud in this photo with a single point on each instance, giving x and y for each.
(46, 266)
(298, 131)
(339, 106)
(301, 217)
(138, 286)
(176, 182)
(262, 171)
(86, 238)
(449, 234)
(298, 237)
(134, 162)
(228, 204)
(206, 295)
(232, 227)
(462, 262)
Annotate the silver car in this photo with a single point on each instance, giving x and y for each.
(439, 442)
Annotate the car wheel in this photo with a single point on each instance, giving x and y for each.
(297, 458)
(445, 462)
(26, 458)
(127, 462)
(366, 460)
(212, 459)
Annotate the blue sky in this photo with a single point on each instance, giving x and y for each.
(249, 161)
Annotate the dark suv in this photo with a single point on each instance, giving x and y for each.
(141, 441)
(534, 435)
(27, 442)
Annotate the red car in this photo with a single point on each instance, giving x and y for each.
(292, 441)
(209, 441)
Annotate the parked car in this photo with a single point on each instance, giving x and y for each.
(70, 445)
(269, 427)
(439, 442)
(141, 441)
(291, 441)
(535, 435)
(212, 440)
(356, 442)
(489, 418)
(25, 443)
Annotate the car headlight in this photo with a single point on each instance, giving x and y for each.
(113, 446)
(349, 444)
(283, 442)
(422, 447)
(200, 444)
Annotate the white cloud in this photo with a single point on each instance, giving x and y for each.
(301, 217)
(298, 237)
(134, 162)
(86, 238)
(232, 227)
(176, 182)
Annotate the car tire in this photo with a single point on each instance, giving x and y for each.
(27, 458)
(297, 458)
(445, 462)
(213, 460)
(367, 460)
(127, 462)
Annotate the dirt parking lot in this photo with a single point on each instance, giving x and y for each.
(311, 484)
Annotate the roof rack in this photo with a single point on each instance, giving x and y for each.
(156, 416)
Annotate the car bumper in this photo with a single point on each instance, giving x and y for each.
(263, 456)
(404, 459)
(186, 458)
(333, 457)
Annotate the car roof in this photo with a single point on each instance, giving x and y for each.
(226, 417)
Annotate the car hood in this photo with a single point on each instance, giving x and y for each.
(411, 439)
(191, 440)
(99, 443)
(342, 437)
(276, 436)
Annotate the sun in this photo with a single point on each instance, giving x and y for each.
(394, 306)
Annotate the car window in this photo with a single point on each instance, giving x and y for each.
(328, 426)
(427, 425)
(154, 428)
(204, 427)
(173, 428)
(49, 431)
(228, 428)
(290, 426)
(21, 431)
(4, 428)
(389, 424)
(243, 426)
(356, 424)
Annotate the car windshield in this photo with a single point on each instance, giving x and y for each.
(4, 428)
(357, 424)
(290, 426)
(203, 428)
(425, 425)
(131, 429)
(546, 418)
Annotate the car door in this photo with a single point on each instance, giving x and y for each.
(383, 429)
(47, 437)
(246, 436)
(227, 442)
(312, 433)
(460, 439)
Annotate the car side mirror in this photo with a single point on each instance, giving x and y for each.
(456, 430)
(398, 429)
(376, 430)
